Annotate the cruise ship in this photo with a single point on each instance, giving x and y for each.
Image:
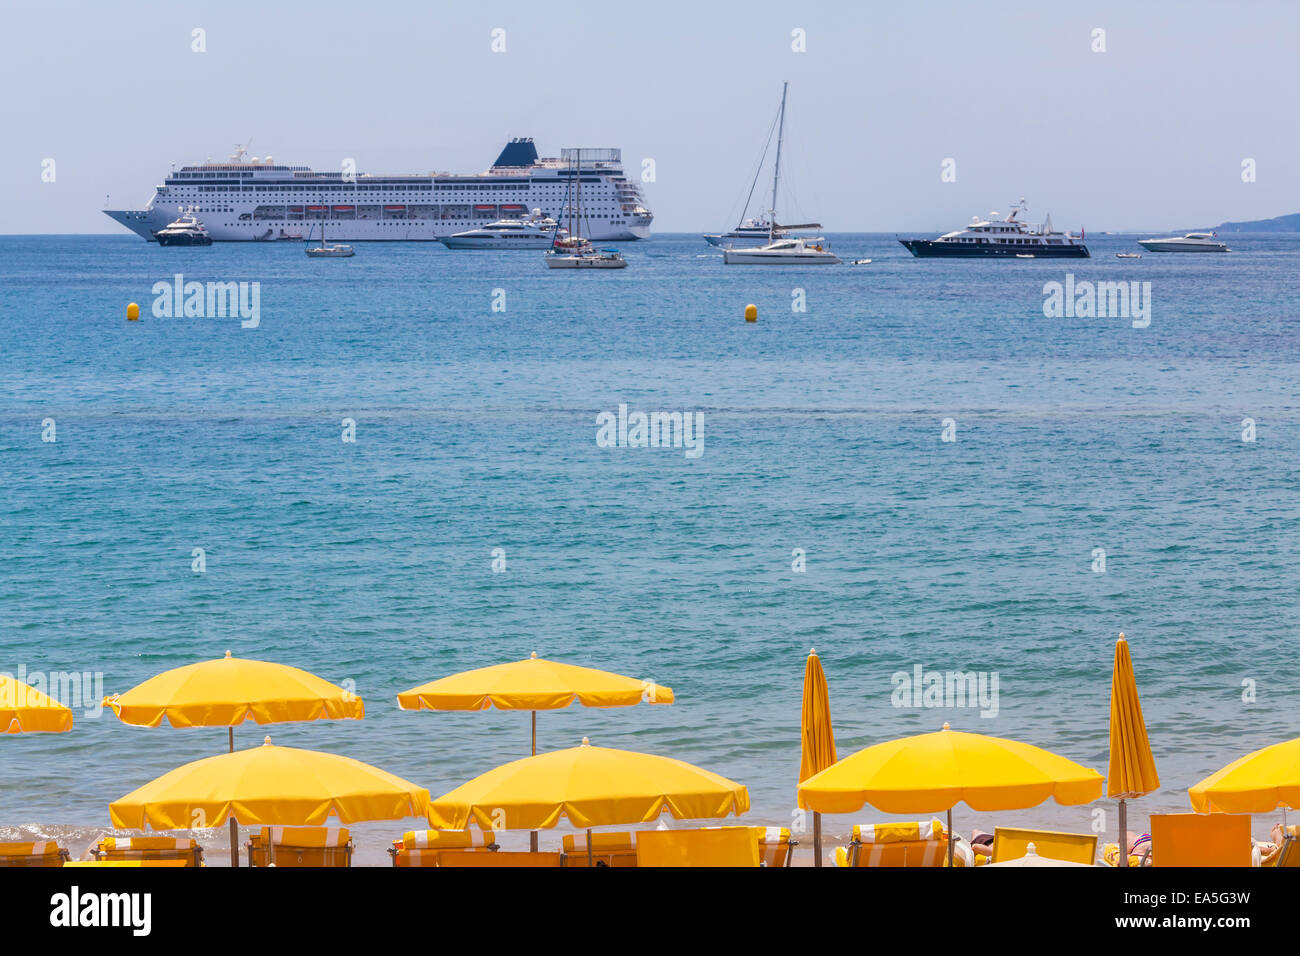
(247, 199)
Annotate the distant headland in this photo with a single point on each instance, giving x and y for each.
(1289, 223)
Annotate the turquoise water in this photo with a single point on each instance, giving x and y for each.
(476, 429)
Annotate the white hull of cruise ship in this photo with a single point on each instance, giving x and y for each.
(259, 201)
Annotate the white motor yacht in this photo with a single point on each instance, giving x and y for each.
(185, 230)
(1192, 242)
(536, 232)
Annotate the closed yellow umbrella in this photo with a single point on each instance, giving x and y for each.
(817, 737)
(25, 710)
(229, 691)
(1132, 769)
(270, 786)
(937, 771)
(533, 684)
(590, 787)
(1259, 782)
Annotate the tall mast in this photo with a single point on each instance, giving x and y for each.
(776, 171)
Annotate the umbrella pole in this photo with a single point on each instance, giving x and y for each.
(817, 838)
(1123, 833)
(590, 864)
(951, 841)
(532, 836)
(234, 824)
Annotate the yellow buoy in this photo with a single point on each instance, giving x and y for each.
(132, 312)
(751, 313)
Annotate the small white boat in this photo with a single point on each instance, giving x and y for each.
(1025, 255)
(1192, 242)
(861, 262)
(1128, 255)
(783, 252)
(323, 251)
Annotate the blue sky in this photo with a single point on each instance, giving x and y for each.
(1150, 134)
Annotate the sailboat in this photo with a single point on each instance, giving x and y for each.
(339, 251)
(573, 251)
(781, 249)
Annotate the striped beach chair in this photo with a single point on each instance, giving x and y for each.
(125, 849)
(607, 849)
(775, 848)
(39, 853)
(300, 847)
(923, 843)
(422, 847)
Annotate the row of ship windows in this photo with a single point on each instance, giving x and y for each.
(1014, 242)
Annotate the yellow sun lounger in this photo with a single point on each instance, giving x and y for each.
(422, 847)
(720, 846)
(1012, 843)
(40, 853)
(501, 858)
(145, 849)
(301, 847)
(607, 849)
(1200, 839)
(913, 844)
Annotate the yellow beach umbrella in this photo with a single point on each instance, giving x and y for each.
(229, 691)
(590, 787)
(937, 771)
(817, 738)
(1259, 782)
(270, 786)
(25, 710)
(533, 684)
(1132, 769)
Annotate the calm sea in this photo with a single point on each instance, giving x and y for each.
(823, 434)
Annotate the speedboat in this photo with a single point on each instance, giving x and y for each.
(1192, 242)
(537, 232)
(1128, 255)
(186, 230)
(785, 252)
